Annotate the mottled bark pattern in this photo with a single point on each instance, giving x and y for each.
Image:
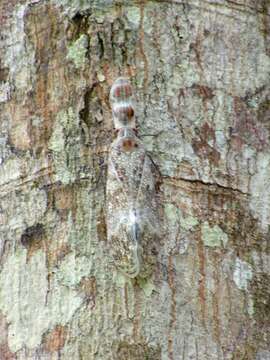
(200, 74)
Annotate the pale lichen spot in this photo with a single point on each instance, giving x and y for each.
(27, 282)
(19, 57)
(172, 214)
(250, 306)
(259, 191)
(134, 16)
(10, 170)
(263, 355)
(4, 92)
(120, 279)
(213, 236)
(78, 50)
(189, 222)
(64, 144)
(242, 274)
(147, 286)
(101, 77)
(73, 269)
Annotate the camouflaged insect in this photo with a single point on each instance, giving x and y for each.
(121, 100)
(132, 209)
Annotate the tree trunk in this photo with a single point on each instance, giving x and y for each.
(200, 72)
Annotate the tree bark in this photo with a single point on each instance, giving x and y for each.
(200, 71)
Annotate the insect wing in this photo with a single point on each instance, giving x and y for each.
(128, 168)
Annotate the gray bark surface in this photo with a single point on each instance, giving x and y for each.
(200, 70)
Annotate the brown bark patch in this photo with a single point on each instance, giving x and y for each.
(43, 29)
(32, 238)
(33, 110)
(202, 147)
(89, 289)
(142, 351)
(266, 25)
(62, 198)
(173, 306)
(202, 286)
(5, 353)
(3, 73)
(186, 168)
(58, 254)
(244, 354)
(263, 114)
(6, 8)
(55, 340)
(246, 128)
(216, 298)
(203, 91)
(19, 137)
(261, 295)
(32, 234)
(138, 315)
(101, 227)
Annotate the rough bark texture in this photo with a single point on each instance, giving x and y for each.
(201, 74)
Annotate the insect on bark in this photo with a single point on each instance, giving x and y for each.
(132, 207)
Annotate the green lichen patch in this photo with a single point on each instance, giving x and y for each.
(121, 280)
(189, 222)
(147, 286)
(73, 269)
(213, 236)
(64, 145)
(57, 140)
(134, 16)
(172, 214)
(77, 51)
